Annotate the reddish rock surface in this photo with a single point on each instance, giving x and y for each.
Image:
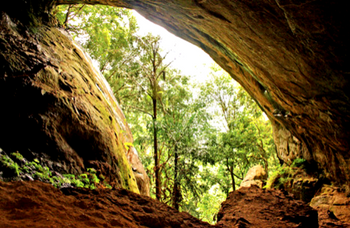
(36, 204)
(255, 207)
(333, 205)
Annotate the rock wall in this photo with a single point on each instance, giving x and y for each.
(56, 106)
(290, 55)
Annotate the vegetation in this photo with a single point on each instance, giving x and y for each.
(195, 146)
(16, 167)
(285, 174)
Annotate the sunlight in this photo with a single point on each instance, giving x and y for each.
(189, 58)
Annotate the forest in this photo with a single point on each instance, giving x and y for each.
(196, 140)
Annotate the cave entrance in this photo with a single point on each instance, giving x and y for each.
(204, 131)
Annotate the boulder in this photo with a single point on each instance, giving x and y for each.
(256, 207)
(140, 174)
(36, 204)
(255, 176)
(55, 105)
(335, 203)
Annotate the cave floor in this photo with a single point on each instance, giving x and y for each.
(37, 204)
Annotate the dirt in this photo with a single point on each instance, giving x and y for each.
(37, 204)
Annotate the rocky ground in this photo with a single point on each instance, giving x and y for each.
(38, 204)
(33, 195)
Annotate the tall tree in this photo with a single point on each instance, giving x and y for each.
(181, 129)
(241, 140)
(165, 117)
(153, 69)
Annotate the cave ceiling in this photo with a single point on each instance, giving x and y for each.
(291, 56)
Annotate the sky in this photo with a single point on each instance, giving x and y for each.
(188, 58)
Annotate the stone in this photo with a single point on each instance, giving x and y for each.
(256, 207)
(55, 106)
(255, 176)
(290, 56)
(140, 174)
(335, 202)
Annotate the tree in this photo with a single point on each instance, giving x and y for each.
(241, 141)
(193, 162)
(153, 70)
(132, 65)
(182, 129)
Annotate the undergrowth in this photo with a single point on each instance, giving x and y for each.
(16, 167)
(284, 174)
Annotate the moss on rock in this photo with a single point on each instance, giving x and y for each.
(62, 105)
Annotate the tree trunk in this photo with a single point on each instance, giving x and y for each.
(232, 179)
(155, 144)
(176, 191)
(230, 169)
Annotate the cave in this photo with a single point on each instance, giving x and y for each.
(291, 56)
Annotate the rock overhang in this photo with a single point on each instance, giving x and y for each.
(290, 56)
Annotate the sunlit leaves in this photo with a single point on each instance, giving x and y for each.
(215, 136)
(244, 137)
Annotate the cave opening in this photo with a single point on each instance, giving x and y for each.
(285, 56)
(229, 133)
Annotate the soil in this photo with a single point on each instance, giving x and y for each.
(38, 204)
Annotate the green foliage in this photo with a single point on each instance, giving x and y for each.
(206, 142)
(243, 137)
(107, 185)
(17, 155)
(298, 162)
(91, 170)
(72, 179)
(94, 179)
(8, 163)
(84, 178)
(279, 177)
(43, 173)
(272, 178)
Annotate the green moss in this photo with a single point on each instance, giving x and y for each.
(107, 185)
(73, 71)
(84, 178)
(94, 179)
